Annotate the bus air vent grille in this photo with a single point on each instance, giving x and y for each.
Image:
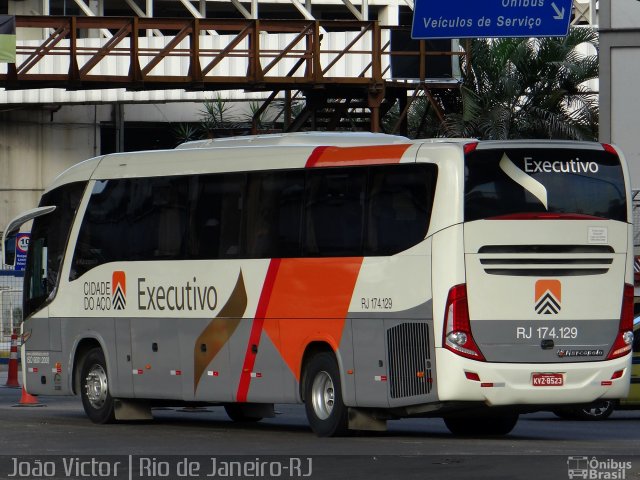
(409, 360)
(546, 260)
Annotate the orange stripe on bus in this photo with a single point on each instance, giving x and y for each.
(309, 302)
(368, 155)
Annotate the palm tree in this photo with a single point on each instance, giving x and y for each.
(528, 88)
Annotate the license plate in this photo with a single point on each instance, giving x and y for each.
(547, 380)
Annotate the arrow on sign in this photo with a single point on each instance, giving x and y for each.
(559, 13)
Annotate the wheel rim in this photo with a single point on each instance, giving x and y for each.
(96, 386)
(322, 395)
(597, 410)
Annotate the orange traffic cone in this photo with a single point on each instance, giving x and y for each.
(28, 400)
(12, 377)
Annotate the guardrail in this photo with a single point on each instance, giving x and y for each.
(10, 307)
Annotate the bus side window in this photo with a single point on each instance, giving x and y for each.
(399, 209)
(154, 227)
(137, 219)
(216, 218)
(170, 212)
(102, 223)
(273, 214)
(335, 212)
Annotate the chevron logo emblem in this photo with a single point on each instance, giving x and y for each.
(119, 289)
(548, 297)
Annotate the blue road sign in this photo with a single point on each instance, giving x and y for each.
(491, 18)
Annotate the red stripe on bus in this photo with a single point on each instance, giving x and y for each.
(256, 330)
(315, 156)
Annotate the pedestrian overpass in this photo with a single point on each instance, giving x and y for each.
(345, 70)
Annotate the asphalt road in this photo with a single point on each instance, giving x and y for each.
(204, 443)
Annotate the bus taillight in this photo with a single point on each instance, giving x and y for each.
(470, 147)
(624, 338)
(609, 149)
(457, 335)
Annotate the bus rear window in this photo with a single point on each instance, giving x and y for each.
(504, 182)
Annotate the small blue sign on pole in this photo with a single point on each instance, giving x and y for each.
(22, 245)
(491, 18)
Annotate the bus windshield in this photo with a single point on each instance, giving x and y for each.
(506, 182)
(49, 236)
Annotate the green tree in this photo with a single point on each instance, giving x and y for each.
(528, 88)
(216, 115)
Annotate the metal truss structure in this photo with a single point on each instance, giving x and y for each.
(278, 56)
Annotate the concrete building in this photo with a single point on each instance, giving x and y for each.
(619, 69)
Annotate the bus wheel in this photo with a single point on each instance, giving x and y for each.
(94, 388)
(482, 425)
(595, 411)
(238, 414)
(326, 412)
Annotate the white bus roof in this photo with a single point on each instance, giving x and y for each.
(255, 152)
(299, 138)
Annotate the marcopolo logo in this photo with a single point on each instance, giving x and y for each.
(548, 297)
(559, 166)
(585, 352)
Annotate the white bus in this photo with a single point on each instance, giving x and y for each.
(367, 276)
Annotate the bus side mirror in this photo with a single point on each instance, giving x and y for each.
(9, 249)
(11, 232)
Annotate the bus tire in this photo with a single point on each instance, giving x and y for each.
(94, 388)
(236, 413)
(493, 424)
(326, 412)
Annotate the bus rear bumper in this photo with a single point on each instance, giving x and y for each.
(499, 384)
